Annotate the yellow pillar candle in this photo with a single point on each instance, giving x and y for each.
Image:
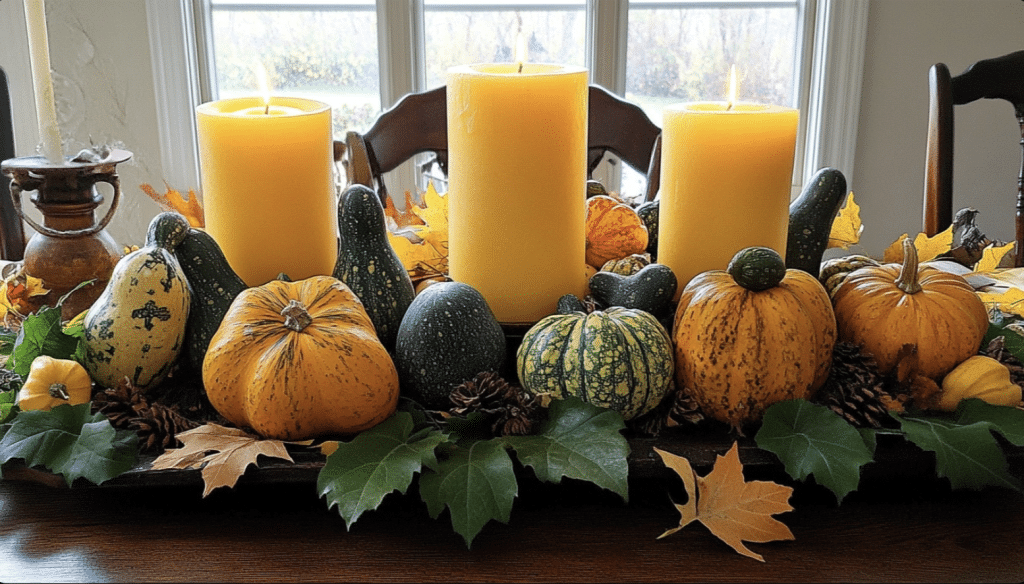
(725, 183)
(517, 172)
(268, 186)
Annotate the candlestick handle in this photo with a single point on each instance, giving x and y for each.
(112, 180)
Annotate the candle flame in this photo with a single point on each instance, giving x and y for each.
(521, 50)
(732, 86)
(263, 80)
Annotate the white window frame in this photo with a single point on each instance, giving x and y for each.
(830, 116)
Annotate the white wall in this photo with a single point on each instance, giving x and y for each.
(905, 38)
(101, 59)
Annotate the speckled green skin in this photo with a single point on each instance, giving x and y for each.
(618, 358)
(369, 265)
(650, 289)
(214, 286)
(448, 335)
(649, 212)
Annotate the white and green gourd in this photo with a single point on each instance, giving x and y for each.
(136, 328)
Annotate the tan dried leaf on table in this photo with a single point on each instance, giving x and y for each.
(733, 509)
(1010, 301)
(421, 244)
(223, 453)
(172, 200)
(847, 226)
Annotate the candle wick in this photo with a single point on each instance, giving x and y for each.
(728, 106)
(520, 67)
(266, 110)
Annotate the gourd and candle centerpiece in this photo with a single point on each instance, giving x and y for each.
(268, 185)
(726, 177)
(517, 144)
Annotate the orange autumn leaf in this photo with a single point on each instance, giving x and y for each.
(223, 453)
(15, 291)
(402, 218)
(172, 200)
(730, 507)
(928, 248)
(847, 226)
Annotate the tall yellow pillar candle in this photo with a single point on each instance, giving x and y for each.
(268, 186)
(725, 183)
(517, 172)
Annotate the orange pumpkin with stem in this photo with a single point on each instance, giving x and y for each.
(884, 308)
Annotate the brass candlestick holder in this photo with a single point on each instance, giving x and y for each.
(69, 247)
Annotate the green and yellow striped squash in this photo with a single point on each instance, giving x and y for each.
(619, 358)
(740, 348)
(135, 330)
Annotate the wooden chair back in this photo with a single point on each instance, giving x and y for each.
(12, 232)
(997, 78)
(418, 123)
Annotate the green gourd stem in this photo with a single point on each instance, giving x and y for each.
(296, 317)
(59, 390)
(907, 280)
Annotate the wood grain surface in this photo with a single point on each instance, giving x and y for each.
(891, 530)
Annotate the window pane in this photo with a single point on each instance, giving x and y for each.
(320, 50)
(463, 32)
(678, 52)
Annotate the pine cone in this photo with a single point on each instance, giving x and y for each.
(509, 408)
(10, 380)
(854, 389)
(121, 404)
(158, 428)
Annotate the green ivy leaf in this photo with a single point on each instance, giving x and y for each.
(41, 334)
(811, 439)
(578, 441)
(1006, 420)
(7, 340)
(383, 459)
(967, 454)
(8, 402)
(70, 441)
(476, 482)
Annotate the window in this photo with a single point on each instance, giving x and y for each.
(361, 56)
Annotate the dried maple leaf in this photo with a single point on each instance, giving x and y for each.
(15, 290)
(191, 208)
(847, 226)
(223, 453)
(731, 508)
(992, 256)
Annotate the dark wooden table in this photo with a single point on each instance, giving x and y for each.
(891, 530)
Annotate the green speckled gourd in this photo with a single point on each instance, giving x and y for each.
(136, 328)
(650, 289)
(617, 358)
(214, 286)
(369, 265)
(649, 212)
(810, 220)
(448, 335)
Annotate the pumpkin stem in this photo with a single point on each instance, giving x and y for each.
(59, 390)
(296, 317)
(907, 280)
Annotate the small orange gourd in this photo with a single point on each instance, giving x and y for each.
(614, 231)
(296, 360)
(53, 382)
(883, 308)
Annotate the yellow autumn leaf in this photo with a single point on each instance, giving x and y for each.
(847, 226)
(928, 248)
(1010, 301)
(420, 235)
(991, 256)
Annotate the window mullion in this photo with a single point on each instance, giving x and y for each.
(400, 50)
(608, 20)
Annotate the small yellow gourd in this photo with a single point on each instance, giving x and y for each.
(979, 377)
(53, 382)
